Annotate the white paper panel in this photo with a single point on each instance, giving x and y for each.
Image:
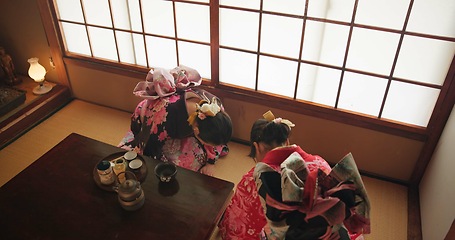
(238, 68)
(70, 10)
(103, 43)
(281, 35)
(76, 39)
(97, 13)
(325, 43)
(161, 52)
(372, 51)
(410, 103)
(285, 6)
(158, 17)
(139, 49)
(196, 56)
(125, 47)
(424, 60)
(193, 22)
(434, 17)
(331, 9)
(318, 84)
(277, 76)
(135, 15)
(120, 14)
(239, 29)
(362, 93)
(382, 13)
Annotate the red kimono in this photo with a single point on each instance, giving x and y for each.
(304, 198)
(244, 217)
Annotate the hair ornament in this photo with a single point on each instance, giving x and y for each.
(203, 110)
(161, 82)
(209, 109)
(192, 118)
(268, 116)
(271, 118)
(287, 122)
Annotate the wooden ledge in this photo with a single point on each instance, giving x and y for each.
(32, 114)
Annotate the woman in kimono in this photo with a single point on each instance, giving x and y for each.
(244, 217)
(303, 198)
(178, 122)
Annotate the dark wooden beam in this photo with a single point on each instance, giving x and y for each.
(441, 114)
(414, 220)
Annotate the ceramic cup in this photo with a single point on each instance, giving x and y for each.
(135, 164)
(165, 172)
(130, 155)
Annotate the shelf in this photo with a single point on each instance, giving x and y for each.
(34, 109)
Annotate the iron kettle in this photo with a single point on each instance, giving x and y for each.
(130, 194)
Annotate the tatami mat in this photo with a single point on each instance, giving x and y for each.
(101, 123)
(388, 200)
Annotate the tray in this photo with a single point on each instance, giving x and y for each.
(10, 98)
(140, 173)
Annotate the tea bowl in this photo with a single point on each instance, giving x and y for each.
(165, 171)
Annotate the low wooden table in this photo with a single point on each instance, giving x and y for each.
(56, 197)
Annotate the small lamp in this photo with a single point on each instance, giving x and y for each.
(37, 73)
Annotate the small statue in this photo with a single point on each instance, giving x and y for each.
(6, 62)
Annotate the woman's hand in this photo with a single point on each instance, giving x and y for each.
(208, 169)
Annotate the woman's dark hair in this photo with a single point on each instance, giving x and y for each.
(215, 130)
(270, 133)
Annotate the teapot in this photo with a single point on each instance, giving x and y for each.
(130, 194)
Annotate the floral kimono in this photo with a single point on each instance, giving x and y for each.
(159, 126)
(304, 199)
(244, 217)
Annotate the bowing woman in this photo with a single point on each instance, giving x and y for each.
(178, 122)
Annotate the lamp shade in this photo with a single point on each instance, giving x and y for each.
(36, 70)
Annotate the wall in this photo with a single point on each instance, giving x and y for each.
(103, 87)
(374, 152)
(437, 191)
(22, 35)
(381, 154)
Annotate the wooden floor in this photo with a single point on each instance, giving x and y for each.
(388, 200)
